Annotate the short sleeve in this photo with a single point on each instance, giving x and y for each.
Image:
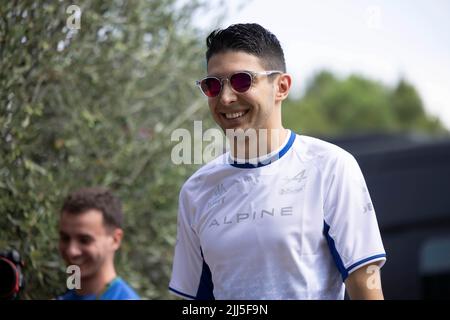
(350, 223)
(191, 277)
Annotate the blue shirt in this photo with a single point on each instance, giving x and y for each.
(117, 289)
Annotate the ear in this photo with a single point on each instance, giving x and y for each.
(117, 236)
(283, 86)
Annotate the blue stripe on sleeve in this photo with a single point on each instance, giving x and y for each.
(182, 294)
(206, 286)
(336, 257)
(377, 256)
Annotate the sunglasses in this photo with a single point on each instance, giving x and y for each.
(240, 82)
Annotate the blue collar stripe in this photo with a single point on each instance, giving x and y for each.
(269, 160)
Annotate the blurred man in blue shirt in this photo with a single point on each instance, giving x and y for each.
(91, 232)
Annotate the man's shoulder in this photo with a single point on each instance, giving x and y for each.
(72, 295)
(209, 169)
(68, 295)
(120, 290)
(319, 151)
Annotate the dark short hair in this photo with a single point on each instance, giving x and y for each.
(97, 198)
(250, 38)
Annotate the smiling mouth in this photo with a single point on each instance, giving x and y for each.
(234, 115)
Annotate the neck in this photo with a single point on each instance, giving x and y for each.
(97, 283)
(253, 143)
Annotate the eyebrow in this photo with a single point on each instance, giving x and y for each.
(220, 76)
(79, 235)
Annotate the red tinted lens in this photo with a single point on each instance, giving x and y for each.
(211, 87)
(241, 81)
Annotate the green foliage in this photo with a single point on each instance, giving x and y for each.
(95, 106)
(356, 104)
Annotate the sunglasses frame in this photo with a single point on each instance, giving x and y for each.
(252, 74)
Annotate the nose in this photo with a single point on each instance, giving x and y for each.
(227, 95)
(72, 250)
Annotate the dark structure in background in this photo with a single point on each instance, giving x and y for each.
(409, 181)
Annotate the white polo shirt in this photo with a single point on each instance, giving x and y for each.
(291, 228)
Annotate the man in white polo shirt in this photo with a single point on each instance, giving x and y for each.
(294, 222)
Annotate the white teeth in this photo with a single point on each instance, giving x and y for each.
(234, 115)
